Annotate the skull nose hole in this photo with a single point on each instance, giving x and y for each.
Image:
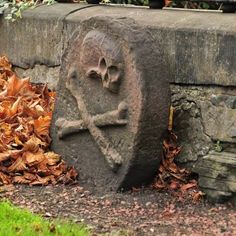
(106, 77)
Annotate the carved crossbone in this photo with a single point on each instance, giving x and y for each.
(116, 117)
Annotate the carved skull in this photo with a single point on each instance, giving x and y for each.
(110, 75)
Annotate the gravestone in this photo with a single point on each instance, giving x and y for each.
(112, 104)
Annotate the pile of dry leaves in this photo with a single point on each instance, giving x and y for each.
(25, 116)
(171, 176)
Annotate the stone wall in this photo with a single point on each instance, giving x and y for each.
(204, 115)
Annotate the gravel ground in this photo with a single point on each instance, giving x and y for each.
(142, 212)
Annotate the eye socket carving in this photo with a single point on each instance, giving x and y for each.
(109, 75)
(111, 79)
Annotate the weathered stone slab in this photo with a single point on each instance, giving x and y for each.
(217, 176)
(217, 184)
(216, 196)
(41, 74)
(37, 38)
(220, 119)
(112, 106)
(200, 46)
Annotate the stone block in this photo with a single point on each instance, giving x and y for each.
(199, 45)
(203, 116)
(37, 38)
(113, 104)
(219, 121)
(41, 74)
(217, 176)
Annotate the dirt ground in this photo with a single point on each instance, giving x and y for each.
(142, 212)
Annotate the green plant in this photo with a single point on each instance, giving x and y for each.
(218, 147)
(134, 2)
(3, 5)
(214, 5)
(16, 7)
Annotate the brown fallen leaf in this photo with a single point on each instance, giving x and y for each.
(197, 196)
(52, 158)
(15, 106)
(29, 176)
(44, 180)
(4, 179)
(33, 144)
(71, 174)
(21, 180)
(158, 185)
(42, 124)
(174, 185)
(16, 85)
(5, 155)
(58, 170)
(18, 165)
(33, 158)
(173, 167)
(43, 168)
(168, 211)
(5, 64)
(187, 186)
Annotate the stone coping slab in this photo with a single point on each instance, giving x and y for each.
(37, 38)
(200, 46)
